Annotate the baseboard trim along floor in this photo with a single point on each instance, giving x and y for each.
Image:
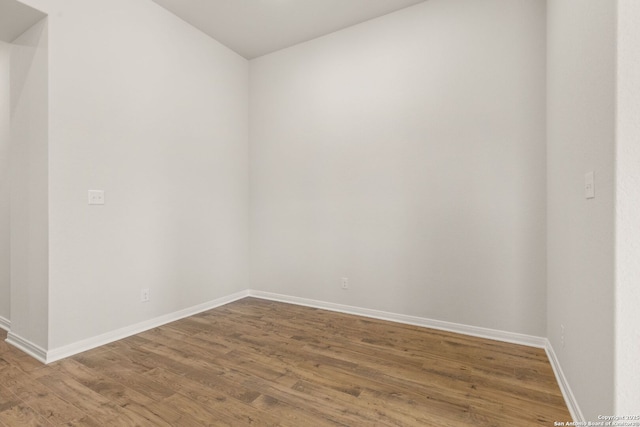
(569, 398)
(49, 356)
(510, 337)
(5, 324)
(109, 337)
(493, 334)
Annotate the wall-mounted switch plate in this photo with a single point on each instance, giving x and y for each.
(589, 185)
(345, 283)
(96, 197)
(145, 295)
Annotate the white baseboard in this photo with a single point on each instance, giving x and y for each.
(5, 324)
(109, 337)
(492, 334)
(27, 346)
(569, 398)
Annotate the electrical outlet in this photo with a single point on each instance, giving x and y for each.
(562, 335)
(345, 283)
(145, 295)
(96, 197)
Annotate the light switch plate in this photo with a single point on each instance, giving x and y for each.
(96, 197)
(589, 185)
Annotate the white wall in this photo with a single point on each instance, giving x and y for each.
(155, 113)
(581, 138)
(407, 154)
(5, 248)
(627, 326)
(30, 186)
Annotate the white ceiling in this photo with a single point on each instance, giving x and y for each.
(16, 18)
(256, 27)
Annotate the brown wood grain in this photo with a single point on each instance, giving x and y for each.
(256, 362)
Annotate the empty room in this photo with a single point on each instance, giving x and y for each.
(319, 212)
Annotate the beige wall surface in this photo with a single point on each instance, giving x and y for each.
(5, 125)
(627, 375)
(581, 139)
(30, 186)
(153, 112)
(408, 155)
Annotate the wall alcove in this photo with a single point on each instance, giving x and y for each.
(23, 172)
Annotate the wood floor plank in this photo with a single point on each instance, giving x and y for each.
(86, 421)
(98, 407)
(7, 399)
(22, 415)
(174, 417)
(258, 362)
(128, 382)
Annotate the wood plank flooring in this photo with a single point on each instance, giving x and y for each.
(256, 362)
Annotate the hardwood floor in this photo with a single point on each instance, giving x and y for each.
(255, 362)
